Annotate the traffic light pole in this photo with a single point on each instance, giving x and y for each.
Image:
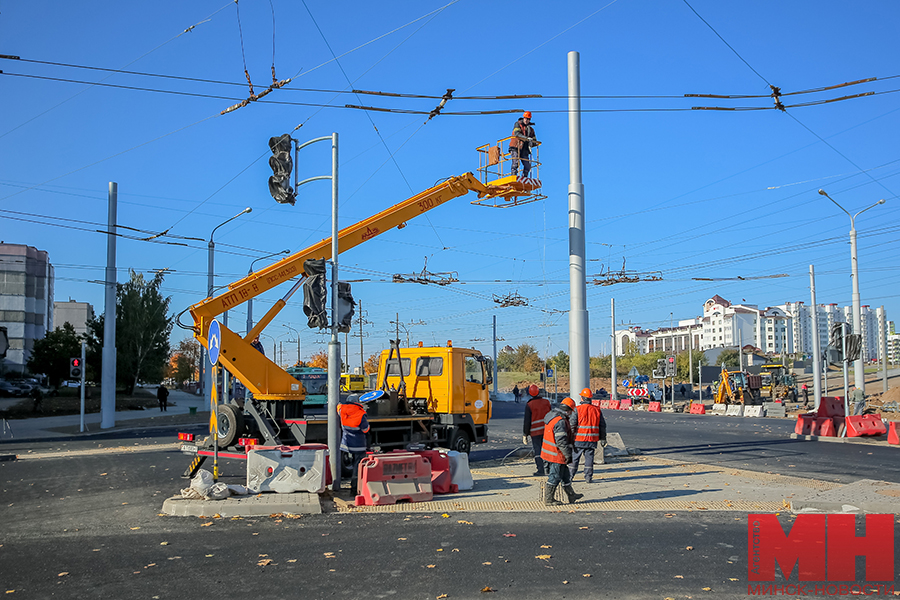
(82, 386)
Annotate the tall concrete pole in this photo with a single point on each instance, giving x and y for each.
(579, 353)
(495, 356)
(613, 372)
(859, 375)
(108, 377)
(334, 346)
(882, 343)
(816, 348)
(362, 357)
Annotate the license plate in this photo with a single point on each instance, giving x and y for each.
(190, 448)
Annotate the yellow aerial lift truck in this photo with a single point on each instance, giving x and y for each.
(275, 416)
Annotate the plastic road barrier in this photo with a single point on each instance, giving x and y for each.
(697, 408)
(865, 425)
(389, 478)
(893, 438)
(824, 427)
(655, 407)
(805, 424)
(614, 404)
(441, 478)
(625, 404)
(286, 469)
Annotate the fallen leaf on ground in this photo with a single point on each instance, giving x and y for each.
(543, 556)
(265, 562)
(465, 522)
(401, 539)
(63, 574)
(584, 528)
(707, 589)
(689, 548)
(263, 555)
(586, 575)
(445, 515)
(509, 535)
(209, 555)
(292, 560)
(455, 550)
(733, 579)
(135, 528)
(442, 596)
(679, 577)
(150, 565)
(545, 546)
(430, 566)
(207, 524)
(164, 543)
(487, 589)
(486, 563)
(565, 582)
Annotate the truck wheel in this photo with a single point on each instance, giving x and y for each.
(461, 442)
(230, 424)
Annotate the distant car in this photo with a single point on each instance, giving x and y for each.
(74, 384)
(9, 389)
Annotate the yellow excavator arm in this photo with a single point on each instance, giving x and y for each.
(263, 377)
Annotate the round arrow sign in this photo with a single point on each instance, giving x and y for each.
(214, 339)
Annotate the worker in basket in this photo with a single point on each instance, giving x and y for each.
(523, 138)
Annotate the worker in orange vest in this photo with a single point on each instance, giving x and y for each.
(354, 427)
(556, 450)
(590, 427)
(535, 410)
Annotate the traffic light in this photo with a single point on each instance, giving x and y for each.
(670, 366)
(345, 307)
(75, 368)
(282, 165)
(314, 293)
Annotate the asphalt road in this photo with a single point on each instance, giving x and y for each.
(756, 444)
(88, 526)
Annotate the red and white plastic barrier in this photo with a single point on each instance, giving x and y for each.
(389, 478)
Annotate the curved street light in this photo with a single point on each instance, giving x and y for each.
(858, 375)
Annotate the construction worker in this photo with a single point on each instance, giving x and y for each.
(535, 410)
(523, 138)
(556, 450)
(354, 427)
(590, 427)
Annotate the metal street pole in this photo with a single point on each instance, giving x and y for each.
(859, 376)
(250, 301)
(494, 374)
(108, 376)
(613, 372)
(297, 333)
(210, 284)
(882, 344)
(579, 355)
(816, 348)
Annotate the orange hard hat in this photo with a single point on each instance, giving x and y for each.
(568, 402)
(533, 390)
(527, 114)
(586, 393)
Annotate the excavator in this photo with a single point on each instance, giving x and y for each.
(735, 387)
(777, 382)
(276, 409)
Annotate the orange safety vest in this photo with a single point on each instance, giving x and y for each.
(351, 415)
(539, 408)
(588, 423)
(549, 451)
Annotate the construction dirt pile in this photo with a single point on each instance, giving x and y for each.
(890, 400)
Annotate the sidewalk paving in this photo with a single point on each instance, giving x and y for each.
(35, 428)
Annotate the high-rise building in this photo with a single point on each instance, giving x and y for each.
(76, 313)
(26, 299)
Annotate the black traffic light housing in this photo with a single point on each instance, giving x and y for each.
(670, 366)
(282, 165)
(76, 368)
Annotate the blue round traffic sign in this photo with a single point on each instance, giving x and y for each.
(214, 342)
(369, 396)
(624, 383)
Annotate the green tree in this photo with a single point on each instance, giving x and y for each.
(560, 362)
(51, 354)
(524, 358)
(142, 333)
(682, 366)
(185, 359)
(730, 357)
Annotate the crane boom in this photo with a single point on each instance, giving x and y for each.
(262, 376)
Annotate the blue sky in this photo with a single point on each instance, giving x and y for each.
(687, 193)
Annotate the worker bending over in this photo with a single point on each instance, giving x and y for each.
(535, 410)
(354, 426)
(556, 450)
(590, 427)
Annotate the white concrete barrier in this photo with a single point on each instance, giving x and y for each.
(753, 411)
(775, 409)
(734, 410)
(719, 409)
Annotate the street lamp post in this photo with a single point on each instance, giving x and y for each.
(859, 378)
(207, 374)
(250, 301)
(298, 341)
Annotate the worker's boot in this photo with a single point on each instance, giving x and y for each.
(549, 492)
(570, 492)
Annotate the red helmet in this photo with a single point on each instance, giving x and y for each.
(568, 402)
(527, 114)
(534, 390)
(586, 393)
